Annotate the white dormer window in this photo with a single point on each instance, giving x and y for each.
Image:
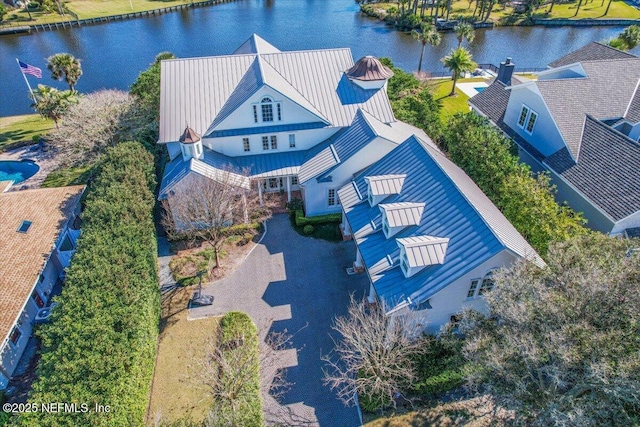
(381, 186)
(523, 116)
(418, 252)
(398, 216)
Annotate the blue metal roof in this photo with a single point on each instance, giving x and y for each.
(271, 165)
(324, 157)
(447, 213)
(266, 129)
(174, 171)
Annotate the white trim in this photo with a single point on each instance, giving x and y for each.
(526, 128)
(526, 116)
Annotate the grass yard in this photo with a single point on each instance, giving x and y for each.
(174, 395)
(451, 105)
(96, 8)
(506, 16)
(67, 176)
(16, 131)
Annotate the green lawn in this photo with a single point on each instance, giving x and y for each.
(88, 9)
(19, 130)
(451, 105)
(76, 175)
(594, 9)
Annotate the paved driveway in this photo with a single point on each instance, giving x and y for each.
(299, 284)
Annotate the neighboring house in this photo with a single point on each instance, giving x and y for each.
(427, 236)
(580, 121)
(280, 121)
(38, 240)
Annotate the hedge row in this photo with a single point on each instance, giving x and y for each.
(100, 347)
(239, 333)
(301, 220)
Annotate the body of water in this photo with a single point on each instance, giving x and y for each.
(113, 54)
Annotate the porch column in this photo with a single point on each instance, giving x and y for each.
(260, 191)
(288, 189)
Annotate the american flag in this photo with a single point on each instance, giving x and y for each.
(30, 69)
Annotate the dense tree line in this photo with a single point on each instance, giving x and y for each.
(100, 347)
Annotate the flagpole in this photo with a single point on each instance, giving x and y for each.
(33, 97)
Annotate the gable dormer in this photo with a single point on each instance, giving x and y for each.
(381, 186)
(419, 252)
(397, 216)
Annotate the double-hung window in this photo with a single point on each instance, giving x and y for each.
(292, 140)
(274, 142)
(473, 288)
(487, 284)
(15, 335)
(294, 180)
(533, 116)
(265, 142)
(523, 116)
(255, 114)
(245, 144)
(331, 200)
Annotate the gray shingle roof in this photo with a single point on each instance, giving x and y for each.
(607, 171)
(604, 93)
(492, 101)
(204, 91)
(633, 112)
(594, 51)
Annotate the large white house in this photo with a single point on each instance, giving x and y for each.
(37, 243)
(302, 120)
(317, 122)
(580, 121)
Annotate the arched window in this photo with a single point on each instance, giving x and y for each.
(487, 283)
(267, 109)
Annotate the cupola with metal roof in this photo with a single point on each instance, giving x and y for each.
(191, 144)
(369, 73)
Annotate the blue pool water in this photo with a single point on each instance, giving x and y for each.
(480, 89)
(17, 171)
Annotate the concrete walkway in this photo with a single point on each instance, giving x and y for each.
(294, 283)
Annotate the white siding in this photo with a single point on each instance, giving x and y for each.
(232, 145)
(453, 299)
(546, 136)
(242, 117)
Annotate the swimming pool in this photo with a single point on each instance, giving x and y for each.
(17, 171)
(480, 88)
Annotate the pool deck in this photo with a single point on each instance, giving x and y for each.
(46, 160)
(469, 88)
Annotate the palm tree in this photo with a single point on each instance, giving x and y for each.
(630, 36)
(458, 61)
(427, 34)
(465, 31)
(64, 64)
(53, 103)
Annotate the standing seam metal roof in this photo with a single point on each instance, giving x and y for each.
(455, 208)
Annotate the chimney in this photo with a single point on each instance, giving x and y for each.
(506, 71)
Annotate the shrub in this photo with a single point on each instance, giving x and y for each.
(237, 402)
(301, 220)
(33, 5)
(100, 347)
(308, 229)
(246, 238)
(295, 205)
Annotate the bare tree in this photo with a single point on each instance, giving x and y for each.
(203, 208)
(99, 120)
(374, 357)
(560, 345)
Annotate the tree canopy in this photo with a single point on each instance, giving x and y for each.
(53, 103)
(147, 86)
(560, 345)
(65, 65)
(459, 61)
